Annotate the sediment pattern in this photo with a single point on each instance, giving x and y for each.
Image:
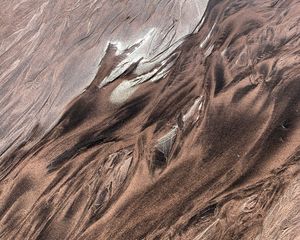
(150, 119)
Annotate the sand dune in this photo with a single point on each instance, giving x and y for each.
(150, 120)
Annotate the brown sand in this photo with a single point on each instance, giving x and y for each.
(136, 120)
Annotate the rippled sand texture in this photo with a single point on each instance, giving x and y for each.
(150, 119)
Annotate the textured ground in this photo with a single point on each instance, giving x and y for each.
(152, 119)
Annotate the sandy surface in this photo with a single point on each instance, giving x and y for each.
(154, 120)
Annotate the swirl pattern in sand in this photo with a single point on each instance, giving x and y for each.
(130, 120)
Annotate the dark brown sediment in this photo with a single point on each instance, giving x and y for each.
(138, 120)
